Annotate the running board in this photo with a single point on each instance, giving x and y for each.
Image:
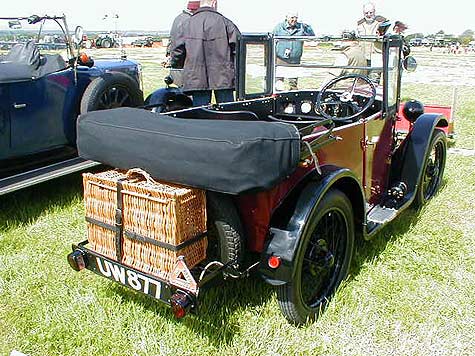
(381, 215)
(40, 175)
(378, 217)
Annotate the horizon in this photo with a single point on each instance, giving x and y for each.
(144, 32)
(157, 16)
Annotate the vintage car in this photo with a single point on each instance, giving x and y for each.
(144, 41)
(41, 95)
(107, 40)
(292, 178)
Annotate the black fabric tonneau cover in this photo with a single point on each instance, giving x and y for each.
(220, 155)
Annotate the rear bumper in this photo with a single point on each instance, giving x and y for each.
(141, 282)
(180, 291)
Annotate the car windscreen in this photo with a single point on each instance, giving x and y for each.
(317, 62)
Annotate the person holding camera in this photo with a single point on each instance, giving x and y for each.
(290, 52)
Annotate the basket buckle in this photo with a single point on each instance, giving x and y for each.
(118, 217)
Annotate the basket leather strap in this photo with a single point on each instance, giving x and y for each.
(175, 248)
(137, 237)
(119, 226)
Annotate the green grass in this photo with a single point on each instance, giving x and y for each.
(410, 291)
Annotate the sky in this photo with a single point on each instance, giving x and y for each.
(326, 17)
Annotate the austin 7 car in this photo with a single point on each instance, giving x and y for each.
(287, 180)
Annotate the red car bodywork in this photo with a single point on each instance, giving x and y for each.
(257, 209)
(403, 125)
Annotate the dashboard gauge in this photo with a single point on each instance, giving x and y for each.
(289, 108)
(306, 107)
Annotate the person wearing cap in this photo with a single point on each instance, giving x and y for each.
(206, 44)
(290, 52)
(176, 73)
(191, 7)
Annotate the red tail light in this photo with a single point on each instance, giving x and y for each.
(274, 262)
(181, 303)
(76, 260)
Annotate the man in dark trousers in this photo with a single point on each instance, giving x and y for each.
(207, 43)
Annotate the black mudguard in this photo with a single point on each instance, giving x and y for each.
(286, 243)
(408, 161)
(164, 96)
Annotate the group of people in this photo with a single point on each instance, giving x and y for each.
(203, 43)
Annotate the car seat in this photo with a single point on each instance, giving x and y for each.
(51, 63)
(24, 53)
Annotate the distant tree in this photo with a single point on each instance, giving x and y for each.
(466, 37)
(467, 33)
(414, 35)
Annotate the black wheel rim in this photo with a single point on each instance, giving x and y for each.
(433, 171)
(114, 97)
(324, 258)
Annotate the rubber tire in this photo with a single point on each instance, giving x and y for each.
(225, 232)
(438, 137)
(91, 98)
(106, 43)
(289, 295)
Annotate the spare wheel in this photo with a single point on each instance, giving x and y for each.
(225, 232)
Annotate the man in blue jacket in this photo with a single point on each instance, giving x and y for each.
(290, 52)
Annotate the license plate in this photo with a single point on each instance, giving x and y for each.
(128, 277)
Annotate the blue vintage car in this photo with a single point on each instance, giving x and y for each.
(41, 95)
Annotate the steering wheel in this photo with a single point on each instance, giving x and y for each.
(346, 102)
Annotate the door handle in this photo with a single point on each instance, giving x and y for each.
(19, 106)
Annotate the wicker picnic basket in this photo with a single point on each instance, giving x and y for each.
(143, 223)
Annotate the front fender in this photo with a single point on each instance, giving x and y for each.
(408, 160)
(162, 96)
(286, 243)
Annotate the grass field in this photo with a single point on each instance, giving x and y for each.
(410, 290)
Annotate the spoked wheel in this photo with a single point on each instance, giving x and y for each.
(110, 91)
(114, 97)
(322, 261)
(433, 170)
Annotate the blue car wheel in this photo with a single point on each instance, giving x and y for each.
(111, 90)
